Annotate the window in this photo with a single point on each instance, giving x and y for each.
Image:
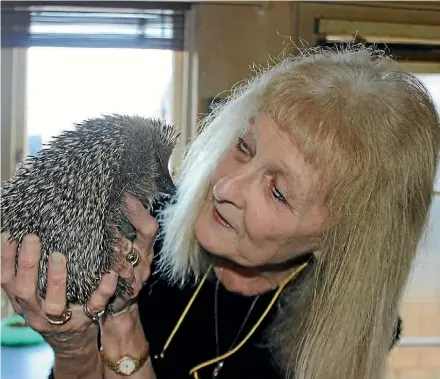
(406, 41)
(85, 60)
(126, 24)
(432, 83)
(66, 85)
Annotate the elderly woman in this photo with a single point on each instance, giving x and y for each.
(286, 246)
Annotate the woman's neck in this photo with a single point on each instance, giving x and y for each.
(255, 281)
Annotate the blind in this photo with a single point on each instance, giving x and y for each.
(110, 25)
(405, 41)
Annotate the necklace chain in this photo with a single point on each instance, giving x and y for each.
(221, 363)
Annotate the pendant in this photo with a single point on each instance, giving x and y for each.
(217, 369)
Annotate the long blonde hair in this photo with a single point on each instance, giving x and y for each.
(375, 131)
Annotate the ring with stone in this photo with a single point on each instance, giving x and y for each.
(133, 257)
(60, 320)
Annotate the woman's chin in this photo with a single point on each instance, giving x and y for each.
(245, 281)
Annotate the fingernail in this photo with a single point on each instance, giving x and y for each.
(131, 206)
(131, 203)
(57, 259)
(30, 238)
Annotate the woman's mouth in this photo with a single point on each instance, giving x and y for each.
(219, 219)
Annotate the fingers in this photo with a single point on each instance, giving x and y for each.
(106, 289)
(8, 254)
(55, 301)
(146, 257)
(145, 225)
(9, 251)
(143, 222)
(27, 271)
(124, 268)
(17, 307)
(134, 276)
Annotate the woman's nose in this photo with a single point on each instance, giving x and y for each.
(232, 188)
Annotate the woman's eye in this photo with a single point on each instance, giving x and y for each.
(242, 146)
(279, 196)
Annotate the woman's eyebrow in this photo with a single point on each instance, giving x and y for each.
(292, 174)
(291, 179)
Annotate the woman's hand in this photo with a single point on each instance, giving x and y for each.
(135, 275)
(79, 334)
(76, 334)
(122, 334)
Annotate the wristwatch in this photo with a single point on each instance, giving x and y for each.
(127, 365)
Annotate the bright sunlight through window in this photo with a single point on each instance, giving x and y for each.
(68, 85)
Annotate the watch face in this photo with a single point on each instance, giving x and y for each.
(126, 365)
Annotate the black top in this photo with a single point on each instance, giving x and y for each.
(160, 308)
(161, 305)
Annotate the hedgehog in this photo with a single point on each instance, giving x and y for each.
(71, 195)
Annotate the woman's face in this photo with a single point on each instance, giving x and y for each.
(262, 208)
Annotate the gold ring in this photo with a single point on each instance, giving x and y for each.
(90, 315)
(133, 256)
(60, 320)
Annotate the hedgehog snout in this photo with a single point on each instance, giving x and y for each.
(167, 184)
